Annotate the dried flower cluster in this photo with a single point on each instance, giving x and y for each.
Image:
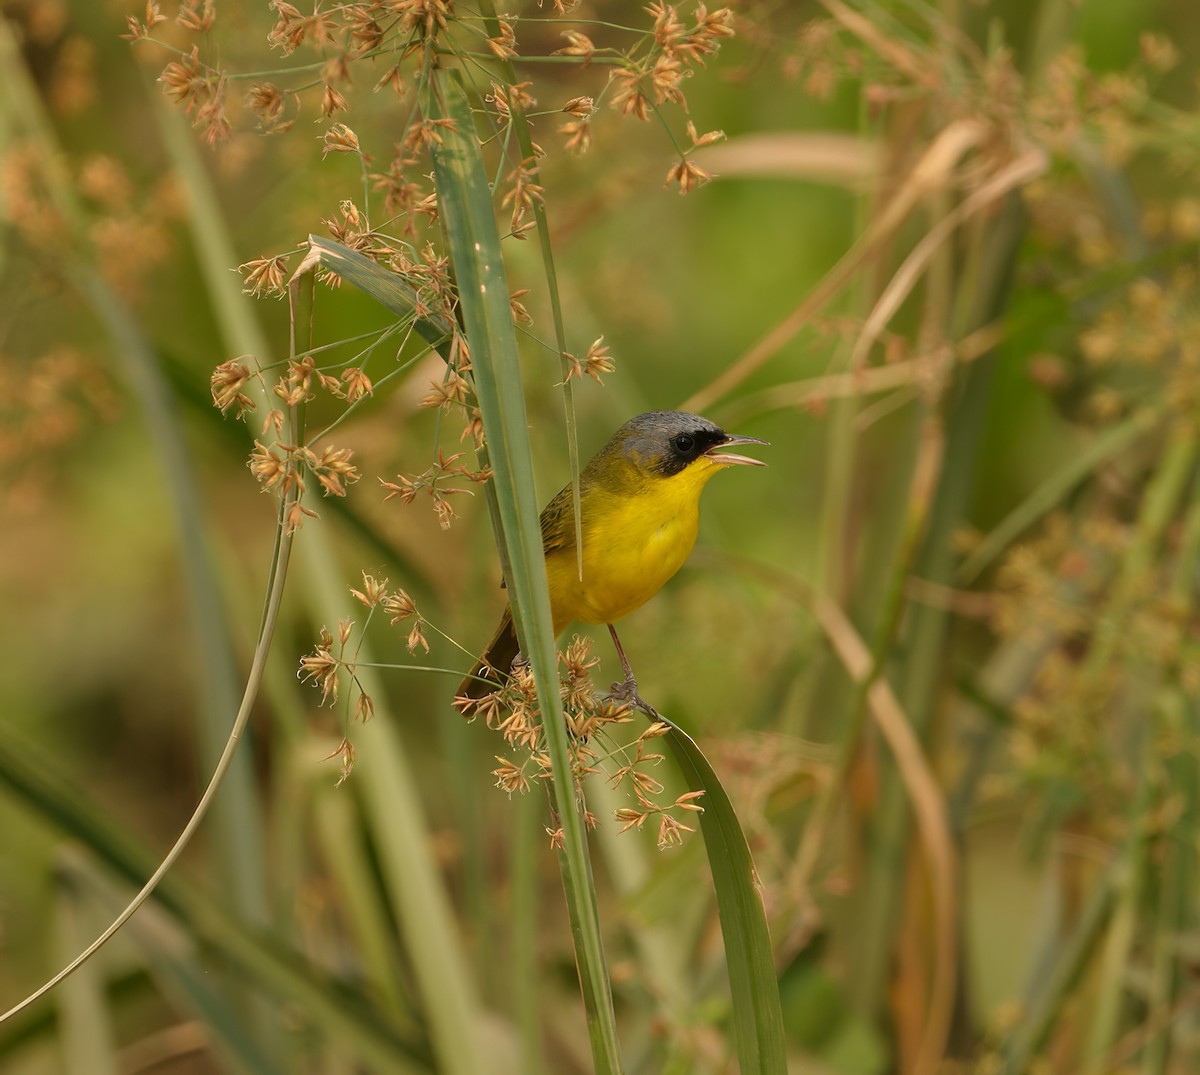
(647, 73)
(433, 482)
(592, 718)
(280, 468)
(330, 665)
(513, 711)
(675, 50)
(1146, 342)
(655, 77)
(597, 361)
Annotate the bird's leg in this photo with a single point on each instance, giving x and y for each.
(626, 690)
(629, 684)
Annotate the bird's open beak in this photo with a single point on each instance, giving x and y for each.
(717, 454)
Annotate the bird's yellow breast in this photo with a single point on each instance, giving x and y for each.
(634, 539)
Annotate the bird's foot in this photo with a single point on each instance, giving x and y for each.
(626, 690)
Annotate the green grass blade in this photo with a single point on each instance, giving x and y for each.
(1116, 951)
(386, 288)
(757, 1015)
(341, 841)
(190, 986)
(88, 1041)
(466, 207)
(171, 956)
(521, 128)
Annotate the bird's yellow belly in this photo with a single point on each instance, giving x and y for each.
(629, 552)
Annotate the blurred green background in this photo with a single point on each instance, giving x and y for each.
(1000, 494)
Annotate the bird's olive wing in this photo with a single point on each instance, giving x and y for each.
(558, 522)
(558, 525)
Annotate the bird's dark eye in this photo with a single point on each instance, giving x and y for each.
(684, 443)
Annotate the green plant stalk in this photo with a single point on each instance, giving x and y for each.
(1163, 495)
(827, 691)
(289, 836)
(1177, 720)
(1053, 23)
(841, 441)
(520, 126)
(1128, 882)
(466, 209)
(1175, 913)
(1187, 566)
(840, 452)
(211, 238)
(340, 837)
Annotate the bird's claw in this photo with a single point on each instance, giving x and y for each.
(623, 689)
(626, 691)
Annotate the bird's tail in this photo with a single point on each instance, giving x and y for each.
(491, 670)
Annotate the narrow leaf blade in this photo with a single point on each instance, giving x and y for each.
(757, 1014)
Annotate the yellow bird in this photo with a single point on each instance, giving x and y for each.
(639, 499)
